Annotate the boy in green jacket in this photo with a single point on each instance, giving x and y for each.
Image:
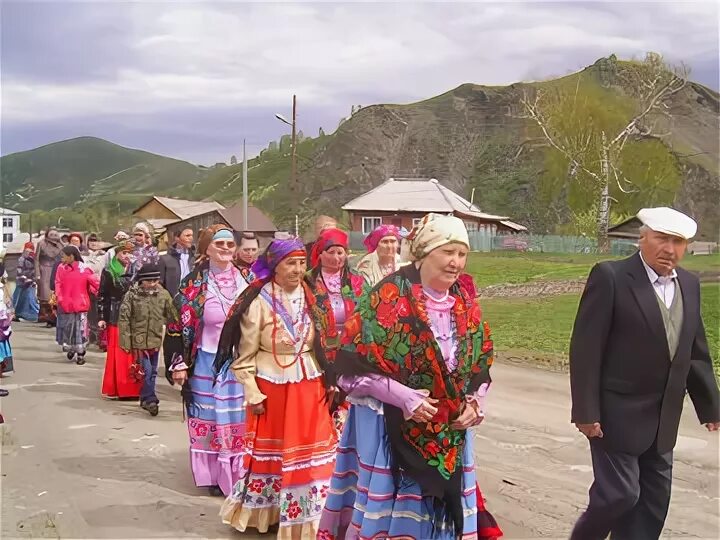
(146, 308)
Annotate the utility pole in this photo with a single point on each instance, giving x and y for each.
(245, 189)
(293, 164)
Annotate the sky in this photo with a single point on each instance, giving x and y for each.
(193, 79)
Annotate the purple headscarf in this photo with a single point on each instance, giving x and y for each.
(373, 239)
(278, 250)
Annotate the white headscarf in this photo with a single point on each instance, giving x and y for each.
(434, 231)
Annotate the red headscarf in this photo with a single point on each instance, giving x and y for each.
(327, 239)
(30, 246)
(373, 239)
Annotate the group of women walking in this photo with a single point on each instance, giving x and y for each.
(331, 403)
(325, 401)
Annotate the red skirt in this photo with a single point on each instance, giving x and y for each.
(117, 382)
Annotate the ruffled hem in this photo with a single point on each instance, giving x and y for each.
(241, 518)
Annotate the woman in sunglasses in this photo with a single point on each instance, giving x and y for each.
(214, 402)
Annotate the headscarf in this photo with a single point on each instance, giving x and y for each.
(29, 246)
(115, 267)
(142, 227)
(373, 239)
(121, 235)
(206, 238)
(264, 267)
(73, 252)
(434, 231)
(53, 236)
(327, 239)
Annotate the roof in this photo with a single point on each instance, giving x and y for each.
(184, 208)
(626, 229)
(9, 212)
(159, 224)
(416, 195)
(257, 220)
(514, 226)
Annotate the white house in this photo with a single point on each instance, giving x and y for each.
(10, 225)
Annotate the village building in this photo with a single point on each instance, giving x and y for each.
(404, 201)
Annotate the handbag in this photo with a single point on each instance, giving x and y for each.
(136, 370)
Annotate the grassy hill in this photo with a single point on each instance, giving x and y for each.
(88, 169)
(472, 137)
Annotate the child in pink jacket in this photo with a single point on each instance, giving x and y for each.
(74, 283)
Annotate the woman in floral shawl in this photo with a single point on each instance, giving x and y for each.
(337, 290)
(415, 364)
(271, 342)
(213, 401)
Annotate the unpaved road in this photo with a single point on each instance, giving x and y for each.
(77, 466)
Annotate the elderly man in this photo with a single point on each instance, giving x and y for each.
(247, 252)
(178, 262)
(638, 344)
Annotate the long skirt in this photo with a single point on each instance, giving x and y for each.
(290, 459)
(365, 503)
(26, 304)
(6, 357)
(72, 328)
(216, 425)
(117, 382)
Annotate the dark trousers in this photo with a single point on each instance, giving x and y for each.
(149, 361)
(629, 498)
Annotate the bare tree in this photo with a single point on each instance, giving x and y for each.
(594, 149)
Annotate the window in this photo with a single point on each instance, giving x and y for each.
(7, 222)
(370, 223)
(7, 238)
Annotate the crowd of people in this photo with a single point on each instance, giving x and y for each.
(333, 400)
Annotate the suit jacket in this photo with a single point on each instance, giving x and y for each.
(621, 373)
(170, 272)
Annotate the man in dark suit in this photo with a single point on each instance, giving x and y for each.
(178, 262)
(637, 345)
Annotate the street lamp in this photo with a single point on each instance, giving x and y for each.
(293, 143)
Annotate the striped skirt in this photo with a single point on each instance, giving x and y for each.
(364, 503)
(216, 425)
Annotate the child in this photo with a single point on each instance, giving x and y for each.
(74, 283)
(146, 308)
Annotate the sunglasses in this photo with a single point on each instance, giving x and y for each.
(224, 244)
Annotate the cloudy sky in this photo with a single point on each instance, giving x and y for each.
(192, 79)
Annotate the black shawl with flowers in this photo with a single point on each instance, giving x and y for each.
(389, 333)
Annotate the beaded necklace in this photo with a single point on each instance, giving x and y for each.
(300, 325)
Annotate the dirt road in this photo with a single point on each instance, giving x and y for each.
(77, 466)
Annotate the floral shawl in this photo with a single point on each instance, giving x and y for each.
(390, 334)
(353, 287)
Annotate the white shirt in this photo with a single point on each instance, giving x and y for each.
(664, 285)
(184, 265)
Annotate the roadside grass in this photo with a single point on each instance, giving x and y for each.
(543, 325)
(517, 268)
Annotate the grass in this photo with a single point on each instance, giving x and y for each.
(543, 325)
(516, 268)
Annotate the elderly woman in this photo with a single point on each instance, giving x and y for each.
(337, 289)
(145, 252)
(214, 402)
(382, 258)
(24, 298)
(115, 281)
(415, 363)
(272, 344)
(48, 253)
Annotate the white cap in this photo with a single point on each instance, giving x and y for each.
(669, 221)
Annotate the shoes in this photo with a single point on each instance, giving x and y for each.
(3, 392)
(70, 355)
(80, 360)
(152, 408)
(215, 491)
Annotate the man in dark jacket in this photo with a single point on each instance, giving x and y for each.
(637, 345)
(178, 262)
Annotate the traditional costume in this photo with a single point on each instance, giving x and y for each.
(115, 281)
(24, 296)
(48, 254)
(394, 477)
(214, 401)
(369, 265)
(271, 342)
